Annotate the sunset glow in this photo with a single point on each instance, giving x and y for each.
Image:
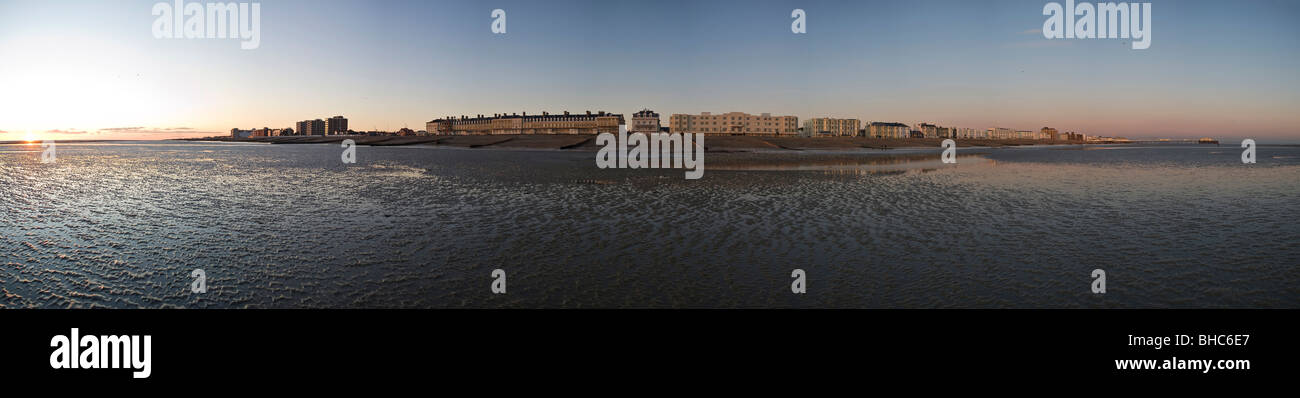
(92, 70)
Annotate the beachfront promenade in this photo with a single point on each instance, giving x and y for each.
(720, 143)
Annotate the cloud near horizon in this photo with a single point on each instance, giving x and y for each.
(70, 131)
(152, 130)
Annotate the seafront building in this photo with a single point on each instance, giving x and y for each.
(513, 124)
(646, 121)
(928, 130)
(311, 127)
(731, 123)
(1050, 133)
(735, 123)
(968, 133)
(887, 130)
(270, 132)
(262, 132)
(1000, 133)
(337, 125)
(824, 126)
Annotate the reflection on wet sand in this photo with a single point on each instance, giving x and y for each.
(845, 164)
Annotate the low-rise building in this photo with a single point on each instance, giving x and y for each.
(927, 130)
(824, 126)
(1000, 133)
(968, 133)
(646, 121)
(887, 130)
(545, 123)
(734, 123)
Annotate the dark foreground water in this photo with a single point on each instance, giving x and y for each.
(124, 224)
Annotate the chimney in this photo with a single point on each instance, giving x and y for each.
(588, 113)
(566, 113)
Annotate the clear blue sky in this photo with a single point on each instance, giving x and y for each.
(93, 69)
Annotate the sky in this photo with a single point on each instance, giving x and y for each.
(93, 69)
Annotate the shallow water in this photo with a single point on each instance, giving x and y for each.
(124, 224)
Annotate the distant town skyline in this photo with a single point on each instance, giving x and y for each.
(84, 69)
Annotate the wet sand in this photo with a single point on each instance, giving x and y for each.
(588, 142)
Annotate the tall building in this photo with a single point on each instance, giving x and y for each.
(311, 127)
(834, 127)
(734, 123)
(646, 121)
(887, 130)
(513, 124)
(337, 125)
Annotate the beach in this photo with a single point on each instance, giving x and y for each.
(124, 224)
